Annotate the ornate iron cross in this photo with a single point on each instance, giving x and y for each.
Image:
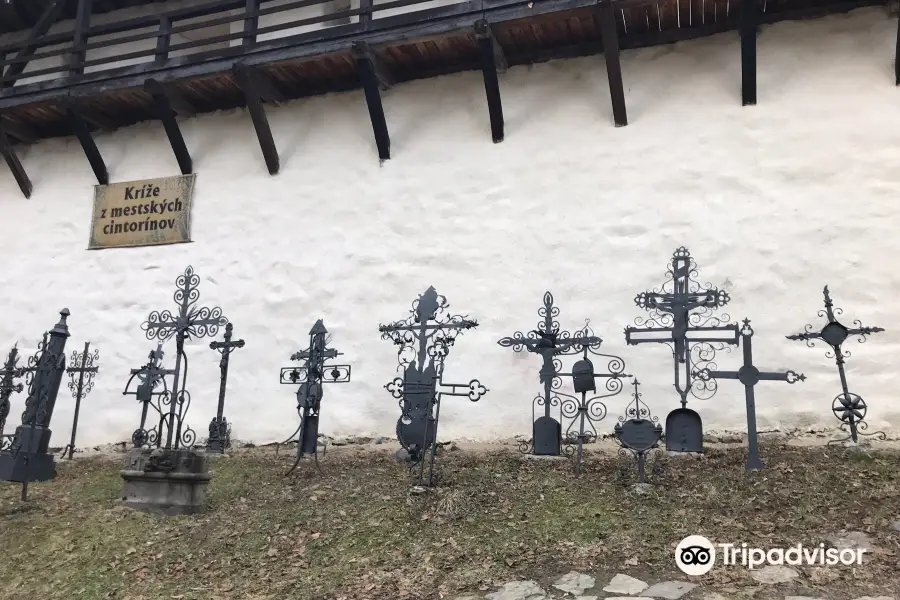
(311, 375)
(84, 365)
(8, 385)
(638, 432)
(548, 342)
(425, 338)
(749, 375)
(849, 408)
(219, 431)
(190, 322)
(150, 377)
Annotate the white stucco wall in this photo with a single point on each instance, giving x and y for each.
(774, 201)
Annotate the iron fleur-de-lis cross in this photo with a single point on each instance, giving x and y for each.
(849, 408)
(84, 365)
(219, 432)
(750, 375)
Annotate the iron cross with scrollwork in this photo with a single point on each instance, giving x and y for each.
(191, 321)
(311, 375)
(425, 338)
(750, 375)
(150, 377)
(219, 430)
(638, 432)
(548, 342)
(82, 368)
(849, 408)
(8, 385)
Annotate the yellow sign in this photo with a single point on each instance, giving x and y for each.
(142, 213)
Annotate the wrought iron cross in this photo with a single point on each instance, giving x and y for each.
(681, 317)
(425, 339)
(311, 375)
(219, 431)
(849, 408)
(190, 322)
(84, 365)
(8, 385)
(150, 376)
(638, 432)
(749, 375)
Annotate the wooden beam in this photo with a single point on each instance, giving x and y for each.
(14, 165)
(748, 27)
(245, 80)
(613, 66)
(492, 62)
(176, 101)
(79, 37)
(79, 126)
(163, 40)
(373, 77)
(251, 23)
(51, 13)
(166, 113)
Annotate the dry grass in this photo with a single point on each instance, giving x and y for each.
(355, 532)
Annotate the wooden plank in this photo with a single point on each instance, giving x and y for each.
(748, 26)
(166, 113)
(51, 13)
(492, 62)
(9, 155)
(89, 146)
(245, 80)
(613, 66)
(373, 76)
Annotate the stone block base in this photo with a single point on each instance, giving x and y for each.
(170, 482)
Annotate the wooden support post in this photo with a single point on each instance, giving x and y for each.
(167, 103)
(251, 24)
(79, 126)
(14, 165)
(373, 77)
(748, 26)
(247, 80)
(163, 39)
(79, 37)
(365, 17)
(492, 62)
(613, 66)
(897, 55)
(51, 13)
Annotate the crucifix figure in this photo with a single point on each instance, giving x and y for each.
(425, 339)
(849, 408)
(8, 385)
(190, 322)
(548, 342)
(83, 364)
(749, 375)
(681, 316)
(219, 431)
(311, 375)
(150, 377)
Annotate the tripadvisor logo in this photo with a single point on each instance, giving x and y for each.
(696, 555)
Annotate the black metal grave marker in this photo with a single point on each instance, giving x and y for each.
(84, 365)
(150, 377)
(638, 432)
(749, 376)
(681, 316)
(548, 342)
(849, 408)
(425, 338)
(310, 376)
(219, 429)
(8, 385)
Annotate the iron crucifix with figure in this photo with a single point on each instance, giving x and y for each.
(849, 408)
(150, 377)
(190, 322)
(219, 430)
(548, 342)
(750, 375)
(311, 375)
(425, 338)
(681, 316)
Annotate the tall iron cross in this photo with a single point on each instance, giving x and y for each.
(84, 365)
(8, 385)
(848, 407)
(190, 322)
(749, 375)
(422, 387)
(218, 427)
(149, 376)
(675, 308)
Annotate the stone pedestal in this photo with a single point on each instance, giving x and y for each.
(171, 482)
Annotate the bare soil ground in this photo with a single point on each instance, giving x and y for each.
(355, 531)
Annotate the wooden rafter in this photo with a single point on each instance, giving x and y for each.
(493, 62)
(9, 155)
(167, 103)
(749, 24)
(256, 86)
(374, 78)
(613, 65)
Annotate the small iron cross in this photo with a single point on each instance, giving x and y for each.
(848, 407)
(8, 385)
(84, 365)
(219, 434)
(149, 377)
(749, 375)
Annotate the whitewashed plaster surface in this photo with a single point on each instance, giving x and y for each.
(774, 201)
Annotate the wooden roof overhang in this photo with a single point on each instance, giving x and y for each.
(374, 53)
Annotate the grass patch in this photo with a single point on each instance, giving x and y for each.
(355, 531)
